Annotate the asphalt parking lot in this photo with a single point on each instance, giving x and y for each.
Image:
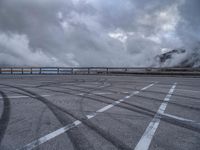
(90, 112)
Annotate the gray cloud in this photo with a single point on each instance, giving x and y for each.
(95, 32)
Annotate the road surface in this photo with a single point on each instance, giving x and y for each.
(90, 112)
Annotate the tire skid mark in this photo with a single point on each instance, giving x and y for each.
(77, 85)
(74, 133)
(184, 124)
(172, 103)
(79, 142)
(100, 85)
(119, 144)
(178, 95)
(76, 81)
(89, 92)
(191, 126)
(111, 83)
(39, 124)
(124, 105)
(109, 90)
(5, 117)
(194, 127)
(106, 97)
(110, 138)
(89, 89)
(139, 109)
(51, 83)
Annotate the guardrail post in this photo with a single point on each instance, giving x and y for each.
(88, 70)
(11, 70)
(40, 71)
(31, 70)
(0, 71)
(58, 70)
(72, 70)
(106, 70)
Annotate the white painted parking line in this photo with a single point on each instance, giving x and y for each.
(180, 118)
(188, 90)
(146, 87)
(105, 93)
(128, 96)
(105, 108)
(23, 96)
(64, 129)
(50, 136)
(28, 85)
(146, 138)
(102, 93)
(81, 94)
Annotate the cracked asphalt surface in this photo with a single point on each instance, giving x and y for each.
(32, 107)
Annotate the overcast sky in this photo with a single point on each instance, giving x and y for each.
(95, 32)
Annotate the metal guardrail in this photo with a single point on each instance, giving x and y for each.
(93, 70)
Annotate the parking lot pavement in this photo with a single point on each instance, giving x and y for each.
(99, 112)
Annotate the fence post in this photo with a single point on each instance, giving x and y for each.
(58, 70)
(107, 70)
(72, 70)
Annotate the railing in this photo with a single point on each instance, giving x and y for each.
(93, 70)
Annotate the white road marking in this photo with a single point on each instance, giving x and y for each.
(105, 108)
(146, 138)
(62, 130)
(117, 102)
(91, 115)
(77, 122)
(121, 100)
(127, 96)
(81, 94)
(124, 92)
(136, 92)
(188, 90)
(101, 93)
(179, 118)
(146, 87)
(105, 93)
(50, 136)
(31, 85)
(23, 96)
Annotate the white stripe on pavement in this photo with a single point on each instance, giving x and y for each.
(20, 96)
(105, 108)
(104, 93)
(62, 130)
(146, 138)
(146, 87)
(179, 118)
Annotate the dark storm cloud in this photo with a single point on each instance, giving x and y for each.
(94, 32)
(189, 27)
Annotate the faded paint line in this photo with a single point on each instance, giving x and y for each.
(179, 118)
(20, 96)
